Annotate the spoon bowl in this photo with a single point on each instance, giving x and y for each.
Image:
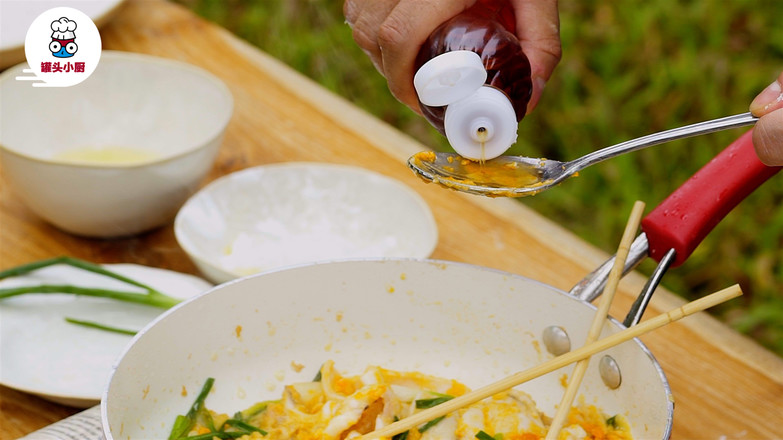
(504, 176)
(519, 176)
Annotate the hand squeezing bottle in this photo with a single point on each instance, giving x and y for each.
(473, 80)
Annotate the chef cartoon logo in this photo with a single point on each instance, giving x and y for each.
(63, 43)
(62, 47)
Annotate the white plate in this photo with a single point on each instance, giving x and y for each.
(17, 15)
(273, 216)
(42, 354)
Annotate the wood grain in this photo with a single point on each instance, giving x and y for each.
(724, 384)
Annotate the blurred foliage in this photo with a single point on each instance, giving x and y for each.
(628, 69)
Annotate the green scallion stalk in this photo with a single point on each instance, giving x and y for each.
(151, 297)
(481, 435)
(402, 435)
(183, 424)
(430, 424)
(69, 261)
(429, 403)
(99, 326)
(155, 299)
(242, 426)
(246, 414)
(218, 434)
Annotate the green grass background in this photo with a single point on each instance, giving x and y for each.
(629, 68)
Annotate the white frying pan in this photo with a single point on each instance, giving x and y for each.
(473, 324)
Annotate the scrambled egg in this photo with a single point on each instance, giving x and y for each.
(337, 407)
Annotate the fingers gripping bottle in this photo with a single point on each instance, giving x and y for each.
(473, 80)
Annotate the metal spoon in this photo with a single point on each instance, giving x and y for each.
(517, 176)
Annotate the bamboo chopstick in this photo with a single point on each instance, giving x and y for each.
(599, 319)
(553, 364)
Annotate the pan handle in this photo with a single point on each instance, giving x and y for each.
(684, 218)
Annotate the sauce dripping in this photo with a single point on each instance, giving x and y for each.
(481, 133)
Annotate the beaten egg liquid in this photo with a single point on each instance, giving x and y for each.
(106, 155)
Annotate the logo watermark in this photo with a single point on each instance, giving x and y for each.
(62, 47)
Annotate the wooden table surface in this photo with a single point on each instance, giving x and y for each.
(725, 386)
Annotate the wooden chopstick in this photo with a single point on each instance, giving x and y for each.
(598, 320)
(553, 364)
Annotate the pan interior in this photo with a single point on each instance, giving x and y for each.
(453, 320)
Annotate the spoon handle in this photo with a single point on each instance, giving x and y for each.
(683, 220)
(705, 127)
(687, 215)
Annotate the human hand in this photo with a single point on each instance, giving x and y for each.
(391, 32)
(768, 134)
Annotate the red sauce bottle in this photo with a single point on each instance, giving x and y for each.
(473, 80)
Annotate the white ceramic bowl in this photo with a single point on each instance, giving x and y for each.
(271, 216)
(260, 333)
(117, 154)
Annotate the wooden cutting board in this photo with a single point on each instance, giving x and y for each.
(724, 385)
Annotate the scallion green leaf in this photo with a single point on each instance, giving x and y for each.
(183, 424)
(481, 435)
(243, 426)
(430, 424)
(181, 427)
(429, 403)
(220, 435)
(100, 326)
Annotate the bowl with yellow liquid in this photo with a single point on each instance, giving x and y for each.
(118, 153)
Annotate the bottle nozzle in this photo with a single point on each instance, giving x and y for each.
(481, 126)
(481, 130)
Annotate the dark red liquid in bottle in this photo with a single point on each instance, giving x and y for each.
(487, 28)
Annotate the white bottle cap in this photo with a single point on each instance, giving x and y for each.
(486, 113)
(449, 77)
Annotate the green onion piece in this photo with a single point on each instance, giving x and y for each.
(429, 403)
(401, 436)
(431, 423)
(612, 421)
(181, 427)
(243, 426)
(202, 396)
(206, 417)
(481, 435)
(70, 261)
(152, 297)
(155, 299)
(220, 435)
(183, 424)
(255, 409)
(99, 326)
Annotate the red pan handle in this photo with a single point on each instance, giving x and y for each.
(683, 220)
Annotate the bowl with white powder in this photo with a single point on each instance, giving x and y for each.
(287, 214)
